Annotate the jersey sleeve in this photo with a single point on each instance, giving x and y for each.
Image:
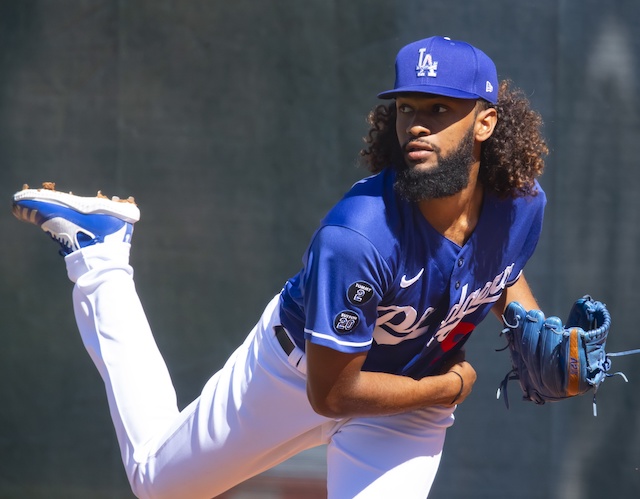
(534, 225)
(343, 280)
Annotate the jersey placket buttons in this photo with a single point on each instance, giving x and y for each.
(460, 264)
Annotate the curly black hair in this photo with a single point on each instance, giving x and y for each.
(511, 159)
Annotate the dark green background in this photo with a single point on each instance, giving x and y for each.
(236, 125)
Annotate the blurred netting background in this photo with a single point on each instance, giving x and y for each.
(236, 125)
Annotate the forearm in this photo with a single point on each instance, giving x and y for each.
(337, 387)
(378, 394)
(520, 292)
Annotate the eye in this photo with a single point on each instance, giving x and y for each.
(439, 109)
(404, 108)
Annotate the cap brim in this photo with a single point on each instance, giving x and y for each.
(429, 89)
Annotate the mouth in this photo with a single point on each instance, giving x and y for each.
(418, 150)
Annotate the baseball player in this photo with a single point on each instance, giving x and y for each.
(363, 348)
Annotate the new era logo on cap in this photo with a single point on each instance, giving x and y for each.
(441, 66)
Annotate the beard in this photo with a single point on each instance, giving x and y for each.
(448, 177)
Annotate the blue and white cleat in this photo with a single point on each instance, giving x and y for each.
(75, 222)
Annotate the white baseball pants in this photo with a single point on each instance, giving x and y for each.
(250, 416)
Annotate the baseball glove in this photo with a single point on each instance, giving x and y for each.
(553, 361)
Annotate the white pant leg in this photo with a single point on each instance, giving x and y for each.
(251, 415)
(392, 456)
(115, 332)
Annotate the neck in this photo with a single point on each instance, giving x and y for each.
(455, 217)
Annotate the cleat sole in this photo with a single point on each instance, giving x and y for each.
(125, 209)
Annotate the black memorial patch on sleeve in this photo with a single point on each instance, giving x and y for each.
(359, 293)
(345, 321)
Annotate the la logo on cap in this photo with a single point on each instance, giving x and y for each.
(426, 66)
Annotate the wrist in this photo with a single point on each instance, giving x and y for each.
(459, 393)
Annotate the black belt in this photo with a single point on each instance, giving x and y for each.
(284, 340)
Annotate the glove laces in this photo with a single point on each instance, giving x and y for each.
(606, 367)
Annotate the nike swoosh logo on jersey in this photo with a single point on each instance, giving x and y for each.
(405, 283)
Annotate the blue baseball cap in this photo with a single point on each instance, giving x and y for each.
(441, 66)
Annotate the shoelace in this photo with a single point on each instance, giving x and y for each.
(66, 247)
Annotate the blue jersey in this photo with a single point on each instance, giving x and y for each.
(378, 277)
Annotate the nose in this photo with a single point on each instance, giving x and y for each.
(418, 128)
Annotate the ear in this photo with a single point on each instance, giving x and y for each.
(486, 120)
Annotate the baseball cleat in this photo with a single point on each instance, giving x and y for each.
(75, 222)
